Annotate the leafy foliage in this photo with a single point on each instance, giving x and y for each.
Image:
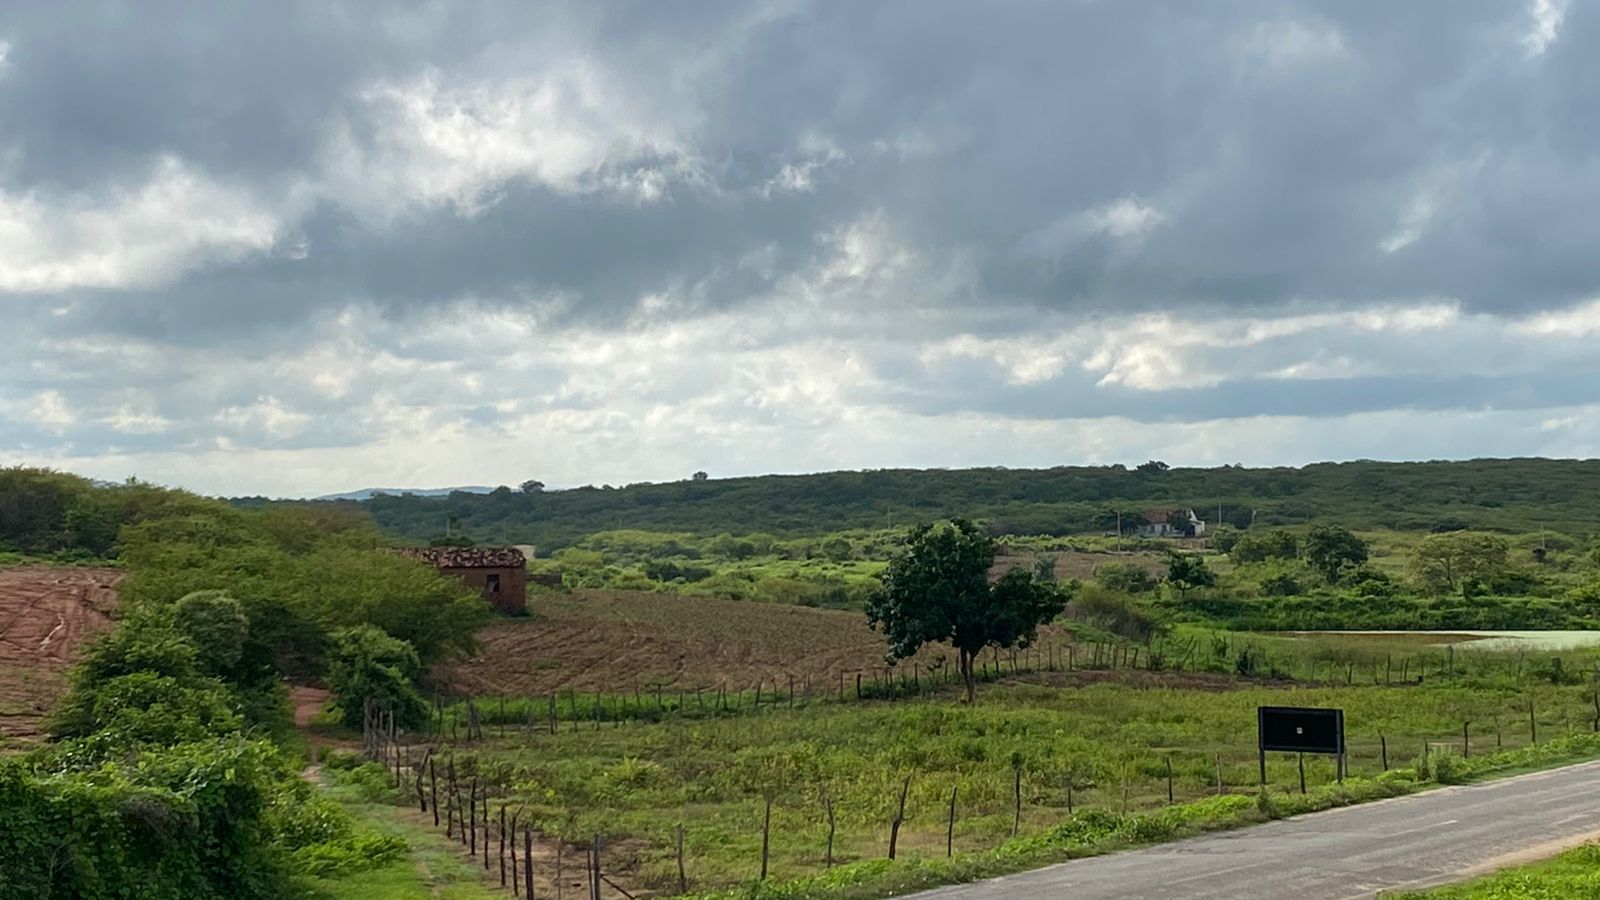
(367, 664)
(1501, 495)
(937, 591)
(1186, 571)
(1463, 559)
(1330, 549)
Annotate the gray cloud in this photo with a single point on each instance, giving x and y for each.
(264, 229)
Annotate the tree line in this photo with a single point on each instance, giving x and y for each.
(1514, 495)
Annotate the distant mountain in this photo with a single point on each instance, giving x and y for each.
(369, 493)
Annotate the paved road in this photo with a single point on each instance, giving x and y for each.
(1411, 842)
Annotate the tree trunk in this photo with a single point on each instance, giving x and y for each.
(967, 676)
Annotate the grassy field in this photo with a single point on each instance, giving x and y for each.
(1032, 738)
(433, 868)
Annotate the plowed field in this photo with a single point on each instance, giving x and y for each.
(613, 641)
(46, 614)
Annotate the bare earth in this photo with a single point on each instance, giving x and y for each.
(46, 615)
(617, 641)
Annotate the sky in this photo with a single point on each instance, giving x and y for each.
(297, 248)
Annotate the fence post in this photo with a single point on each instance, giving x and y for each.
(828, 803)
(1302, 757)
(1466, 746)
(766, 834)
(1383, 748)
(950, 828)
(683, 881)
(433, 791)
(472, 818)
(527, 860)
(1016, 793)
(1219, 774)
(1533, 728)
(594, 883)
(1169, 781)
(899, 818)
(514, 817)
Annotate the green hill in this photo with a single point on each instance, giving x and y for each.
(1512, 495)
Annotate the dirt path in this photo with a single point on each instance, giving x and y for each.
(47, 613)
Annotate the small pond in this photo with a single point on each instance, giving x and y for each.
(1478, 640)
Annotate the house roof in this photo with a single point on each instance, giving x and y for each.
(1162, 516)
(467, 557)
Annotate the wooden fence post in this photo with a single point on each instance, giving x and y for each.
(1466, 745)
(1302, 758)
(828, 803)
(1383, 749)
(527, 860)
(950, 827)
(766, 834)
(472, 818)
(1533, 727)
(1016, 793)
(503, 845)
(514, 892)
(1169, 781)
(433, 791)
(899, 818)
(1219, 774)
(683, 880)
(594, 882)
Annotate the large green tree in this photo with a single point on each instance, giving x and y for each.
(1186, 571)
(1330, 549)
(1463, 560)
(937, 590)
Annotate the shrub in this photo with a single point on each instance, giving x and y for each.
(368, 664)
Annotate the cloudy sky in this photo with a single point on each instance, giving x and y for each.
(293, 248)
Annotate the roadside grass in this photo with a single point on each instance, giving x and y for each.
(432, 868)
(1575, 873)
(635, 783)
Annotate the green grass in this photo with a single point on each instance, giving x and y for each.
(433, 868)
(1575, 873)
(636, 783)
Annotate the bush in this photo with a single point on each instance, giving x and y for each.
(368, 664)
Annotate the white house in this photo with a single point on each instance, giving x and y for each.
(1172, 523)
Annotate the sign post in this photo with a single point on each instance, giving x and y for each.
(1292, 729)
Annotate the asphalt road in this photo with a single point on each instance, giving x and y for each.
(1407, 842)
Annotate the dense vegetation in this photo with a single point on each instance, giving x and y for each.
(1517, 495)
(173, 771)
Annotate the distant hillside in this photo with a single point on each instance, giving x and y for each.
(1505, 495)
(369, 493)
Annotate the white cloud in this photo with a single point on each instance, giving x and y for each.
(1285, 43)
(433, 140)
(136, 237)
(1413, 222)
(1128, 217)
(1547, 16)
(1580, 321)
(267, 415)
(50, 409)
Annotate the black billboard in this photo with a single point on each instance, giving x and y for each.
(1300, 730)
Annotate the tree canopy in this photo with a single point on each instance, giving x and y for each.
(937, 591)
(1330, 549)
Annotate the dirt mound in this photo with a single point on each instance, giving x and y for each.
(46, 615)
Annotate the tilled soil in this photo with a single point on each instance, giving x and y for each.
(47, 613)
(616, 641)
